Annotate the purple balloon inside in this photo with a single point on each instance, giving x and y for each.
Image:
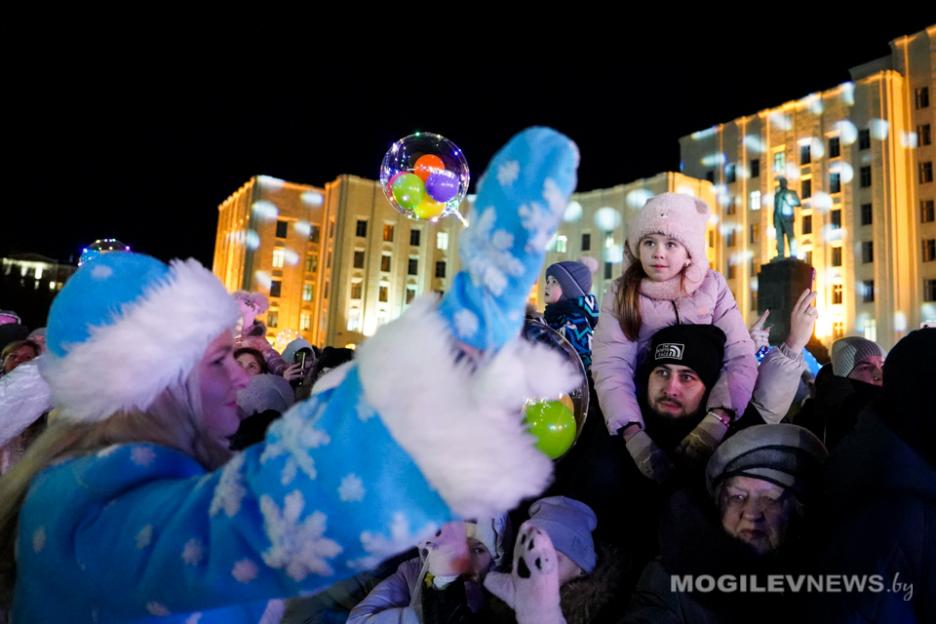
(442, 186)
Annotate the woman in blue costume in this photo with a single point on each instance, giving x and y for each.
(130, 507)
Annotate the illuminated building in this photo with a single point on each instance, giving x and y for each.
(36, 272)
(860, 157)
(336, 262)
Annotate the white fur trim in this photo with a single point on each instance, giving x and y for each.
(157, 341)
(24, 396)
(462, 427)
(332, 379)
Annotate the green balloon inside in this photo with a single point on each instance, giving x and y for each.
(552, 423)
(408, 189)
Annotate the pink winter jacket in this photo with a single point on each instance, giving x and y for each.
(615, 358)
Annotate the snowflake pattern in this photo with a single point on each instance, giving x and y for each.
(144, 537)
(296, 545)
(273, 614)
(244, 571)
(488, 256)
(540, 223)
(290, 470)
(192, 552)
(230, 491)
(503, 239)
(365, 411)
(101, 272)
(142, 455)
(380, 546)
(555, 198)
(508, 172)
(466, 323)
(351, 489)
(293, 437)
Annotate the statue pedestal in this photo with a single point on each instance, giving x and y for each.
(779, 284)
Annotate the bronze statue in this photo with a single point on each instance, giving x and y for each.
(785, 200)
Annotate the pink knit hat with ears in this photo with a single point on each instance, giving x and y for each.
(252, 304)
(678, 216)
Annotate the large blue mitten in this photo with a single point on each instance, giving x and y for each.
(521, 198)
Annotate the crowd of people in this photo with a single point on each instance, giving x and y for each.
(161, 461)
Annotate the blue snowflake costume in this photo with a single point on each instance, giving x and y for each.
(388, 447)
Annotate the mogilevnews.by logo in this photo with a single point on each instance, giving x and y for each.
(790, 583)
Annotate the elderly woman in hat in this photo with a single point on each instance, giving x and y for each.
(759, 482)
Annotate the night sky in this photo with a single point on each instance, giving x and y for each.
(145, 148)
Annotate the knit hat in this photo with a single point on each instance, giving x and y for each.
(126, 327)
(700, 347)
(574, 277)
(491, 532)
(679, 216)
(266, 392)
(252, 304)
(569, 524)
(849, 351)
(786, 455)
(289, 353)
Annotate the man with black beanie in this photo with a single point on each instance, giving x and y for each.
(682, 366)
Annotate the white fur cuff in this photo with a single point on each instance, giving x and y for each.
(463, 427)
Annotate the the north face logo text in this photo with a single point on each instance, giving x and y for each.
(669, 351)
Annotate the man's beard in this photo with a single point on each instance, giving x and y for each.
(668, 430)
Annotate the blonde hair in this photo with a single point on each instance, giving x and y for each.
(172, 420)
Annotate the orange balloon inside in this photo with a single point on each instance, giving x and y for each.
(425, 165)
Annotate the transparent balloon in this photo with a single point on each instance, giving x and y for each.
(99, 247)
(557, 421)
(425, 176)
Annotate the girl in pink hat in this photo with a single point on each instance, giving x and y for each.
(668, 282)
(252, 332)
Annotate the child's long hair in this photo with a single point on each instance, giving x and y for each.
(628, 299)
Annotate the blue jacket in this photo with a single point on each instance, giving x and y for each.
(147, 531)
(575, 319)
